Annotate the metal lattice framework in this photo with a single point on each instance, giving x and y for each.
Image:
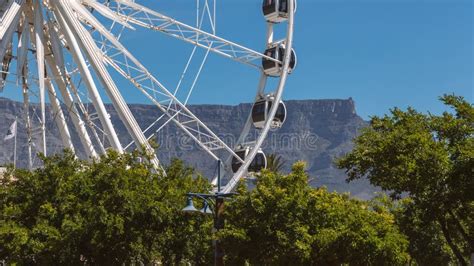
(61, 51)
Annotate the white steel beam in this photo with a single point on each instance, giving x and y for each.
(22, 49)
(26, 107)
(54, 60)
(58, 116)
(78, 123)
(56, 44)
(10, 17)
(90, 84)
(86, 41)
(85, 112)
(139, 15)
(38, 25)
(5, 65)
(8, 26)
(129, 67)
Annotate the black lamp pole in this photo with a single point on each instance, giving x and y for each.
(216, 201)
(218, 225)
(218, 220)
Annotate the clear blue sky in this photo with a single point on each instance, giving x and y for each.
(382, 53)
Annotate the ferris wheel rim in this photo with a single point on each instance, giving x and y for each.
(241, 173)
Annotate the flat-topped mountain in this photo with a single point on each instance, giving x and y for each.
(316, 131)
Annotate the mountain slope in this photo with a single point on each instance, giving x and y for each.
(316, 131)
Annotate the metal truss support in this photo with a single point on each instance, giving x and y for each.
(29, 133)
(139, 15)
(90, 84)
(39, 44)
(71, 109)
(58, 116)
(87, 43)
(129, 67)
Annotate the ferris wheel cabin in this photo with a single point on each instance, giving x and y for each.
(277, 51)
(275, 11)
(261, 111)
(258, 163)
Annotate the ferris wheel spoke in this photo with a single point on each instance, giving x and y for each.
(90, 84)
(5, 65)
(106, 12)
(26, 108)
(88, 117)
(22, 49)
(10, 17)
(39, 44)
(67, 17)
(54, 59)
(77, 121)
(130, 68)
(56, 44)
(144, 17)
(180, 115)
(58, 116)
(6, 46)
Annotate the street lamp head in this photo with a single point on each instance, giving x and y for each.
(190, 206)
(206, 209)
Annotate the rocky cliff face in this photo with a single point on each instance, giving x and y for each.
(316, 131)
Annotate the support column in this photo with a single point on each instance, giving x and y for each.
(73, 113)
(93, 54)
(39, 44)
(58, 116)
(90, 84)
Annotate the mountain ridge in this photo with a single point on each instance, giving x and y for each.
(316, 131)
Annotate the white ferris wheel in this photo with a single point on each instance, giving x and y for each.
(66, 53)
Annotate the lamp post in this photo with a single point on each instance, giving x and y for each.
(213, 205)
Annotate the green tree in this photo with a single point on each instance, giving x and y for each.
(275, 162)
(431, 159)
(427, 243)
(111, 211)
(283, 221)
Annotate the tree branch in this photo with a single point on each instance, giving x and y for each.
(452, 245)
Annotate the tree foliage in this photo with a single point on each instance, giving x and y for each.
(117, 210)
(283, 221)
(431, 159)
(106, 212)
